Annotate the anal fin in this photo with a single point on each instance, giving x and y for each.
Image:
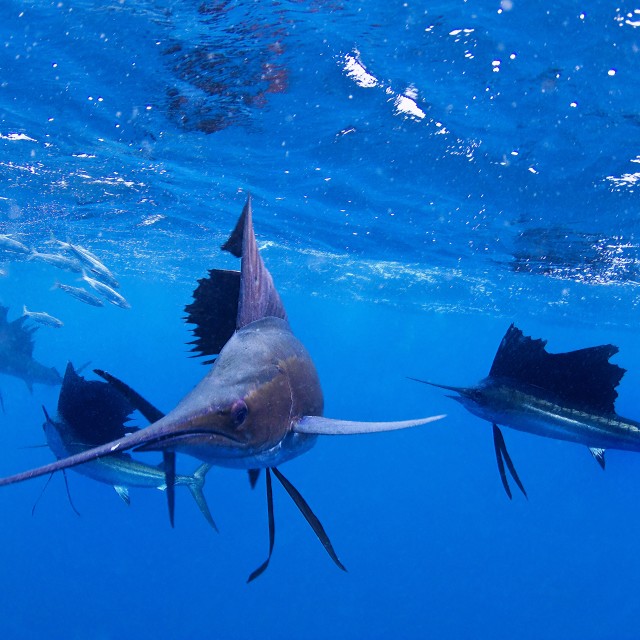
(123, 492)
(598, 454)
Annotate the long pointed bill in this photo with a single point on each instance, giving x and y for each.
(144, 436)
(328, 427)
(463, 391)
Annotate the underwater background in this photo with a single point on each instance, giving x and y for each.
(423, 175)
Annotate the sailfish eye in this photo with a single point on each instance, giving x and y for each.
(239, 412)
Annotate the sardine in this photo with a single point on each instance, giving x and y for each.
(41, 317)
(57, 260)
(81, 294)
(107, 292)
(89, 260)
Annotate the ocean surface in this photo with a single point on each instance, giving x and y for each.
(423, 175)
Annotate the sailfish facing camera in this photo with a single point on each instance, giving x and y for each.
(261, 402)
(567, 396)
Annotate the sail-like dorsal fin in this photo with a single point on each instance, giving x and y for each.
(94, 411)
(16, 336)
(584, 378)
(214, 311)
(258, 296)
(229, 300)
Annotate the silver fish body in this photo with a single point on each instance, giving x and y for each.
(57, 260)
(89, 260)
(41, 317)
(80, 294)
(107, 292)
(7, 243)
(527, 409)
(122, 471)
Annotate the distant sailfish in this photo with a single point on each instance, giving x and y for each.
(41, 317)
(260, 404)
(91, 413)
(80, 294)
(566, 396)
(16, 352)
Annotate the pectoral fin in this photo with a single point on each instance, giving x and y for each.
(503, 457)
(309, 516)
(272, 529)
(329, 427)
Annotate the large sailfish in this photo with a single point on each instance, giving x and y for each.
(260, 404)
(567, 396)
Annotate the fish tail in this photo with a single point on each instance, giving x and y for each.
(196, 485)
(25, 311)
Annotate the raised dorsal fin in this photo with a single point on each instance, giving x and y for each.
(584, 379)
(94, 411)
(229, 300)
(258, 296)
(214, 311)
(16, 336)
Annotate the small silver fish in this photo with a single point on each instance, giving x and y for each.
(105, 276)
(57, 260)
(7, 243)
(89, 259)
(79, 293)
(107, 292)
(42, 318)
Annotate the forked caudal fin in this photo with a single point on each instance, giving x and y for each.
(153, 414)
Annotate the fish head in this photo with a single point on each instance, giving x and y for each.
(55, 432)
(261, 384)
(484, 400)
(475, 399)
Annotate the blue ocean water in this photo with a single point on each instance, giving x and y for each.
(422, 177)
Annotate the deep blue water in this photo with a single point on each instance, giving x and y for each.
(421, 179)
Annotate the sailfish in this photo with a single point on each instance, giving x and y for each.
(16, 352)
(567, 396)
(260, 404)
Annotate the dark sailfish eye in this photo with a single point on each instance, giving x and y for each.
(239, 412)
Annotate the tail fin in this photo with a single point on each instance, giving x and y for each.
(53, 240)
(196, 485)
